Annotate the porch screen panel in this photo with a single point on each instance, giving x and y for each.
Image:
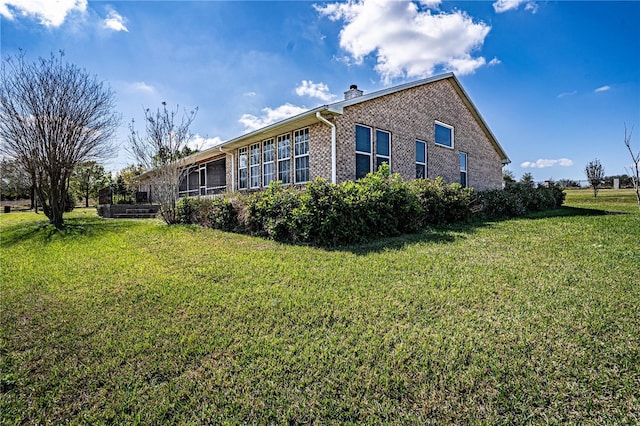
(216, 176)
(194, 182)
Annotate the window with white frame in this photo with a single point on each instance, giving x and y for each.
(284, 159)
(242, 168)
(268, 162)
(463, 170)
(443, 134)
(254, 166)
(363, 151)
(383, 148)
(421, 160)
(301, 155)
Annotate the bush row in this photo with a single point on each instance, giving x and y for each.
(379, 205)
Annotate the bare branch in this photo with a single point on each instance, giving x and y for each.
(635, 165)
(53, 116)
(160, 151)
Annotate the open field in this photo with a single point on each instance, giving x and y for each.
(533, 320)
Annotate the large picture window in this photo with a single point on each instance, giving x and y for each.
(443, 134)
(268, 162)
(254, 166)
(463, 170)
(383, 148)
(284, 159)
(421, 160)
(301, 155)
(363, 151)
(242, 168)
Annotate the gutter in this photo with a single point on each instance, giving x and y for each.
(233, 168)
(333, 145)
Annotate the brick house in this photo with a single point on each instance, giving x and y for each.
(426, 128)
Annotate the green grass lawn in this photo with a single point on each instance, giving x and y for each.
(533, 320)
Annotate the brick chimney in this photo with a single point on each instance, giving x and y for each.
(352, 93)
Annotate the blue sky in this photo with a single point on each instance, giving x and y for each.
(555, 81)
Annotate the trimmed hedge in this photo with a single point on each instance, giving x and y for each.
(216, 213)
(378, 205)
(520, 199)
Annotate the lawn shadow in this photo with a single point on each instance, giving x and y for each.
(43, 232)
(443, 234)
(565, 211)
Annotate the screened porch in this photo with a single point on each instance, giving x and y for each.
(204, 179)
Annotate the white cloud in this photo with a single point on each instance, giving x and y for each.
(602, 89)
(114, 21)
(201, 143)
(269, 116)
(543, 163)
(315, 90)
(501, 6)
(249, 94)
(49, 13)
(141, 86)
(407, 42)
(564, 94)
(494, 62)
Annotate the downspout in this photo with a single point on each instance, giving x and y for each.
(233, 168)
(333, 145)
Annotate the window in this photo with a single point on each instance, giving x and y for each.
(463, 169)
(421, 160)
(254, 166)
(284, 159)
(443, 134)
(363, 151)
(268, 165)
(301, 155)
(242, 168)
(383, 148)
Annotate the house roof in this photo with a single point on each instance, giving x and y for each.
(309, 117)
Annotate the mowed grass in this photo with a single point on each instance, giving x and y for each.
(533, 320)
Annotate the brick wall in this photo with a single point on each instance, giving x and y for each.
(409, 115)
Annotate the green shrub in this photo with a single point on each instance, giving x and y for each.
(497, 203)
(519, 199)
(441, 202)
(379, 205)
(270, 212)
(216, 213)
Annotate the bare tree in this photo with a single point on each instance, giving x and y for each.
(595, 175)
(53, 116)
(635, 165)
(160, 151)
